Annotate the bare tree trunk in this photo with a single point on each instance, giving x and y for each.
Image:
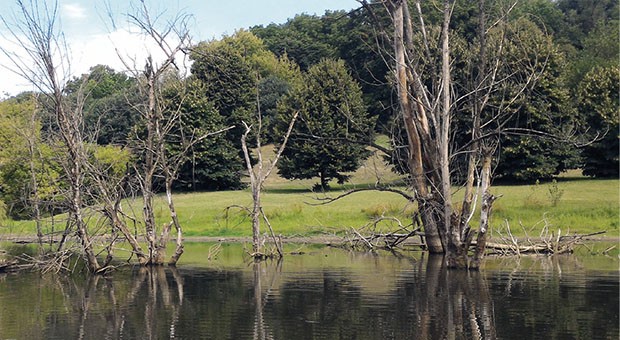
(150, 161)
(258, 176)
(178, 251)
(256, 182)
(456, 253)
(415, 160)
(256, 220)
(33, 154)
(485, 210)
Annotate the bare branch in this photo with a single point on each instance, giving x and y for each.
(327, 200)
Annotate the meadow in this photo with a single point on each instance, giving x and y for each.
(571, 204)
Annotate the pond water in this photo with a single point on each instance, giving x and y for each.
(323, 293)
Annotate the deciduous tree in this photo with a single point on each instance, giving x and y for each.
(599, 102)
(329, 139)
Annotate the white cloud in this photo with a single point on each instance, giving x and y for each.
(87, 52)
(12, 80)
(106, 48)
(74, 11)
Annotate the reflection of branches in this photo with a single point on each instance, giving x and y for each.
(260, 329)
(86, 300)
(157, 284)
(459, 302)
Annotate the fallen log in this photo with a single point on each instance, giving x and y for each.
(507, 249)
(549, 244)
(6, 265)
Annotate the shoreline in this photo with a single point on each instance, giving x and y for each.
(312, 239)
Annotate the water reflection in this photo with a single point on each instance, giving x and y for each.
(328, 295)
(141, 304)
(261, 330)
(454, 305)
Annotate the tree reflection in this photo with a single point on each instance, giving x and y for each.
(147, 305)
(358, 299)
(460, 303)
(261, 330)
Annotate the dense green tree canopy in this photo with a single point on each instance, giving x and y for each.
(212, 162)
(21, 147)
(108, 113)
(329, 136)
(599, 101)
(306, 39)
(537, 143)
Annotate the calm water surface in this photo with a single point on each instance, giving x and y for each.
(322, 294)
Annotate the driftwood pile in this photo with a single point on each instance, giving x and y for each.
(7, 265)
(369, 237)
(372, 236)
(546, 243)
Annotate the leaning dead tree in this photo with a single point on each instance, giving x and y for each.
(42, 59)
(259, 174)
(502, 69)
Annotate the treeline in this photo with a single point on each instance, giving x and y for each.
(336, 71)
(574, 103)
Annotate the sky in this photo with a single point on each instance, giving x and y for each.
(93, 36)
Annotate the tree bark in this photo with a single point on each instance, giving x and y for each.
(179, 249)
(485, 210)
(150, 161)
(415, 160)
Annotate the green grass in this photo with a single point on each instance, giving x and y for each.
(585, 205)
(581, 205)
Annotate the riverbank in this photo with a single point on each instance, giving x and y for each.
(311, 239)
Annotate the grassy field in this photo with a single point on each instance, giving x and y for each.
(572, 204)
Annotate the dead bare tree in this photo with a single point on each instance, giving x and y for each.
(163, 124)
(429, 100)
(42, 60)
(259, 174)
(171, 39)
